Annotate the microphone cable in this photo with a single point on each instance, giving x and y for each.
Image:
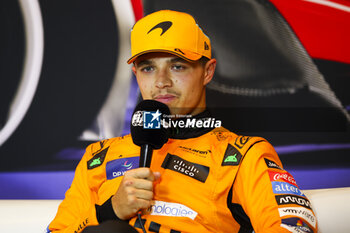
(141, 223)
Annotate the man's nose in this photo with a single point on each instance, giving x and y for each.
(163, 79)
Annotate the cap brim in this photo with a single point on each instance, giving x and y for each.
(185, 54)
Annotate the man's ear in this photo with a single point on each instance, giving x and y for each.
(209, 70)
(134, 69)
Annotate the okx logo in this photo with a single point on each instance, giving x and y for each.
(151, 120)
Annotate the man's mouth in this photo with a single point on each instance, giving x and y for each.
(165, 99)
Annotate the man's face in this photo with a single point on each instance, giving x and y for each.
(173, 81)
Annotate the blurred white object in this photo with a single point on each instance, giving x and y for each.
(110, 119)
(30, 216)
(332, 208)
(34, 35)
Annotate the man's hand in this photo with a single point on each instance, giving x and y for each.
(134, 193)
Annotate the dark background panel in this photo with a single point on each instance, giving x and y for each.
(11, 53)
(80, 55)
(337, 74)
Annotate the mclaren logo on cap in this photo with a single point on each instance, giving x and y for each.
(178, 50)
(206, 46)
(163, 25)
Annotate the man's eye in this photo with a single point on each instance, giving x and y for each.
(178, 67)
(147, 69)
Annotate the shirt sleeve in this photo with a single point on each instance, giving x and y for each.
(269, 195)
(77, 210)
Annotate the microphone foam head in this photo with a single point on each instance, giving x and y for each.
(146, 124)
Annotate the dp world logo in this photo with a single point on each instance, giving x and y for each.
(151, 120)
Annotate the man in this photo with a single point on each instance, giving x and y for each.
(202, 179)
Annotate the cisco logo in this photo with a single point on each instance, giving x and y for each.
(180, 165)
(187, 169)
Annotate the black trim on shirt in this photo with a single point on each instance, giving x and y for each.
(239, 215)
(154, 227)
(236, 209)
(105, 212)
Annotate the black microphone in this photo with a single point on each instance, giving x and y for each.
(147, 130)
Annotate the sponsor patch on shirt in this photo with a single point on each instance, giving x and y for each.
(220, 136)
(282, 176)
(241, 141)
(232, 156)
(292, 199)
(201, 153)
(162, 208)
(272, 164)
(180, 165)
(97, 160)
(299, 212)
(118, 167)
(296, 224)
(285, 188)
(292, 228)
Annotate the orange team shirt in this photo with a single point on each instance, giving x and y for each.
(216, 182)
